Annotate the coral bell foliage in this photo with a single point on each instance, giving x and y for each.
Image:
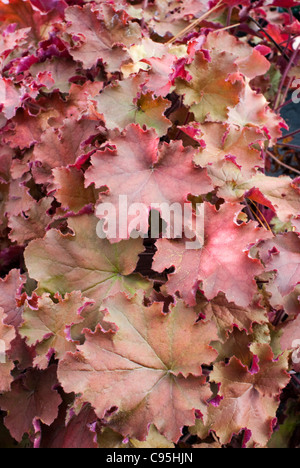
(136, 341)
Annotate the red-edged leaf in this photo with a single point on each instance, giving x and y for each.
(159, 77)
(22, 13)
(33, 225)
(12, 39)
(10, 98)
(210, 92)
(7, 335)
(280, 194)
(33, 396)
(65, 179)
(147, 173)
(45, 6)
(250, 397)
(282, 255)
(253, 109)
(225, 251)
(227, 315)
(249, 60)
(100, 39)
(290, 341)
(153, 383)
(123, 103)
(76, 432)
(66, 146)
(225, 142)
(84, 262)
(10, 293)
(48, 325)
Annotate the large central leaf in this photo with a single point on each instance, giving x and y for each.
(145, 172)
(150, 369)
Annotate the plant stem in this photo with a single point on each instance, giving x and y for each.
(230, 10)
(279, 316)
(254, 216)
(262, 216)
(229, 27)
(284, 76)
(296, 379)
(290, 168)
(270, 38)
(286, 103)
(283, 101)
(195, 23)
(250, 211)
(289, 134)
(296, 147)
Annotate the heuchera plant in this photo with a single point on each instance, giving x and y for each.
(141, 342)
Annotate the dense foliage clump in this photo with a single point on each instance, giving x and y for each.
(131, 341)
